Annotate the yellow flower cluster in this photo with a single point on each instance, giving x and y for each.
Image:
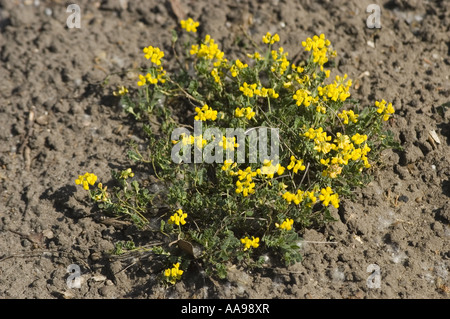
(236, 67)
(121, 91)
(153, 54)
(320, 140)
(358, 139)
(86, 180)
(327, 196)
(295, 165)
(173, 274)
(244, 111)
(264, 92)
(216, 74)
(337, 90)
(228, 143)
(297, 69)
(333, 170)
(303, 97)
(199, 141)
(205, 113)
(150, 79)
(255, 56)
(251, 90)
(178, 218)
(268, 169)
(321, 109)
(319, 45)
(298, 197)
(281, 61)
(126, 173)
(384, 110)
(245, 184)
(248, 243)
(348, 116)
(248, 90)
(286, 224)
(228, 164)
(346, 151)
(103, 195)
(189, 25)
(269, 39)
(208, 50)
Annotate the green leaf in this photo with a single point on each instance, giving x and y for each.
(174, 36)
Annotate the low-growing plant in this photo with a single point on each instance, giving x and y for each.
(236, 210)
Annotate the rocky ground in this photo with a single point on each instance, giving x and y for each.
(58, 119)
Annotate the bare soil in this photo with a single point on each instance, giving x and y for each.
(399, 224)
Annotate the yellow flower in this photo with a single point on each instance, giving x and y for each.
(229, 164)
(173, 274)
(327, 196)
(178, 218)
(286, 224)
(256, 56)
(296, 198)
(228, 143)
(126, 174)
(297, 69)
(103, 195)
(385, 111)
(320, 140)
(319, 45)
(208, 50)
(358, 139)
(249, 243)
(235, 68)
(348, 116)
(245, 184)
(245, 111)
(189, 25)
(281, 62)
(121, 91)
(333, 171)
(153, 54)
(248, 90)
(269, 169)
(205, 113)
(86, 180)
(342, 141)
(149, 78)
(142, 80)
(269, 39)
(296, 165)
(321, 109)
(302, 97)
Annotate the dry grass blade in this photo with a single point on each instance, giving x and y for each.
(177, 9)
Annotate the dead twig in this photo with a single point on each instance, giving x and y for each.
(24, 149)
(37, 239)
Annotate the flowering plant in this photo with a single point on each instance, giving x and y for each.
(238, 210)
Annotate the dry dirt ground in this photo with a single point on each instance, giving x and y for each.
(398, 225)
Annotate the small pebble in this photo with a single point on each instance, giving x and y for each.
(48, 234)
(403, 198)
(98, 278)
(106, 291)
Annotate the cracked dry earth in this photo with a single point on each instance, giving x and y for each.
(58, 121)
